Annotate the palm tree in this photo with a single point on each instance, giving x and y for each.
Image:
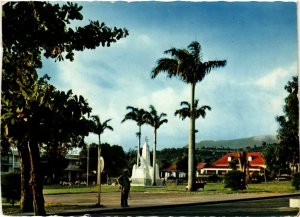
(137, 115)
(186, 111)
(98, 128)
(155, 120)
(188, 66)
(244, 164)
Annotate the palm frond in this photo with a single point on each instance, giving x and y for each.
(195, 49)
(209, 65)
(165, 65)
(183, 113)
(201, 111)
(185, 103)
(98, 127)
(152, 118)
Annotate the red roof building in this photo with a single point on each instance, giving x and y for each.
(221, 166)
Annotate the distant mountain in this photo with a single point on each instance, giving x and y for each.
(238, 143)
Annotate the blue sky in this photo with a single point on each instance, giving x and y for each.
(258, 40)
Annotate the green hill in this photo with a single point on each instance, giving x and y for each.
(238, 143)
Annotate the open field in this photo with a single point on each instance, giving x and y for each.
(210, 189)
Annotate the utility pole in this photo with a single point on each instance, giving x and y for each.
(87, 166)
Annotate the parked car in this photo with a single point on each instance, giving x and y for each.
(284, 177)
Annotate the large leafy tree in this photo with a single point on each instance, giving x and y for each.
(50, 124)
(155, 120)
(137, 115)
(114, 157)
(182, 163)
(288, 132)
(275, 158)
(187, 64)
(99, 128)
(30, 30)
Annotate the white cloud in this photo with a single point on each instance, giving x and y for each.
(276, 77)
(239, 108)
(244, 101)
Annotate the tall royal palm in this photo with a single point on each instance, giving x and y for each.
(137, 115)
(98, 128)
(187, 64)
(155, 120)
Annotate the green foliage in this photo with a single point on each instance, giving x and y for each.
(288, 131)
(114, 157)
(186, 111)
(33, 112)
(171, 154)
(213, 178)
(31, 29)
(256, 178)
(11, 186)
(275, 159)
(186, 64)
(36, 26)
(233, 164)
(182, 163)
(135, 114)
(234, 180)
(154, 119)
(53, 165)
(97, 127)
(296, 181)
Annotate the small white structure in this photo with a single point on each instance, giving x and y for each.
(142, 175)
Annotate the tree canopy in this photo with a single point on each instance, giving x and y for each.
(29, 105)
(288, 131)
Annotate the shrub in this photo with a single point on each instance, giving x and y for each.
(296, 181)
(256, 178)
(233, 180)
(213, 178)
(11, 186)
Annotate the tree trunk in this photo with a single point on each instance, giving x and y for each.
(154, 158)
(36, 182)
(26, 201)
(99, 174)
(139, 146)
(191, 152)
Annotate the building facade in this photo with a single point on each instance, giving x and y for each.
(222, 165)
(10, 162)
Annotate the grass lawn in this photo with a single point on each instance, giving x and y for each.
(210, 188)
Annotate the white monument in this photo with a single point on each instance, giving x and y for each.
(142, 175)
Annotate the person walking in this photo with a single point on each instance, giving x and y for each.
(124, 183)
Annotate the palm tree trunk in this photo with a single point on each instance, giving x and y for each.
(99, 173)
(191, 152)
(36, 182)
(139, 146)
(154, 158)
(26, 201)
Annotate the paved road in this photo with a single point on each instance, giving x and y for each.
(265, 207)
